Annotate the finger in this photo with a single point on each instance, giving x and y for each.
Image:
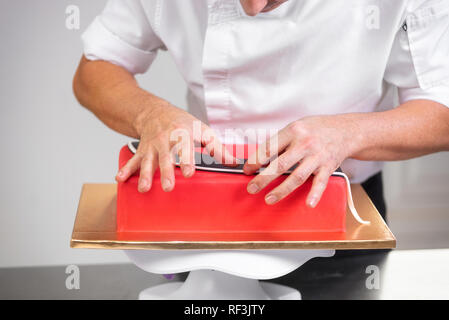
(166, 168)
(272, 147)
(128, 169)
(276, 168)
(216, 149)
(293, 181)
(186, 153)
(183, 146)
(147, 168)
(319, 185)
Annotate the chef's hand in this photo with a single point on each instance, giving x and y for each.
(319, 144)
(165, 131)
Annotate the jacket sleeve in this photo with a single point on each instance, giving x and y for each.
(419, 60)
(122, 34)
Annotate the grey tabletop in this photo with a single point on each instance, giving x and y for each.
(414, 274)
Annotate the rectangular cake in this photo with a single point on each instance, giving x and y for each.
(217, 202)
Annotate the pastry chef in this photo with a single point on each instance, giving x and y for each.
(341, 83)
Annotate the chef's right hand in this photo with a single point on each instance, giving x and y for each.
(165, 131)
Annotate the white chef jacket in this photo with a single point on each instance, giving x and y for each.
(307, 57)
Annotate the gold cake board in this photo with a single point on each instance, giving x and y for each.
(95, 227)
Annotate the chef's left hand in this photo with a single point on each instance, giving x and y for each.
(319, 144)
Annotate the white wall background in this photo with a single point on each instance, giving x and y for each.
(51, 146)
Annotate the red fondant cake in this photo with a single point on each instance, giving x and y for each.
(216, 202)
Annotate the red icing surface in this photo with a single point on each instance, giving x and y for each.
(212, 206)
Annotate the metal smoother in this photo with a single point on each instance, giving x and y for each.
(205, 162)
